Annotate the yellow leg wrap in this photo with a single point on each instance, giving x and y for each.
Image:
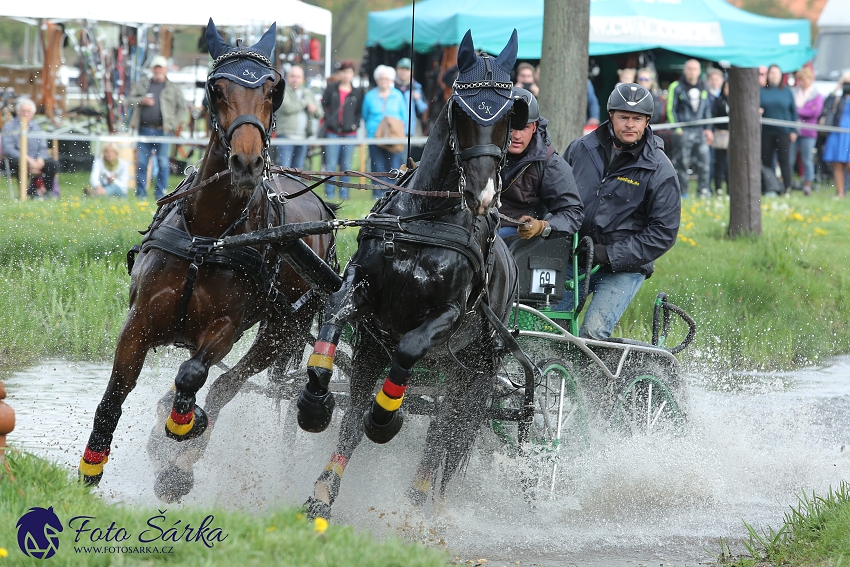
(336, 468)
(177, 429)
(321, 360)
(388, 403)
(422, 484)
(89, 469)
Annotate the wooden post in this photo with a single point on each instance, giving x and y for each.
(744, 153)
(7, 422)
(23, 174)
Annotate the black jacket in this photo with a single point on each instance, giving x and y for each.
(679, 107)
(350, 112)
(635, 210)
(554, 197)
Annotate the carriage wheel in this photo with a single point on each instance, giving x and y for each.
(648, 404)
(555, 423)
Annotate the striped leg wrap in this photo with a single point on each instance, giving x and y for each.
(180, 423)
(321, 362)
(332, 475)
(392, 393)
(91, 465)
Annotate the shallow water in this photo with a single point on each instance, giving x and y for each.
(753, 442)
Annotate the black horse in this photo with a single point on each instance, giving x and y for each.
(183, 291)
(428, 267)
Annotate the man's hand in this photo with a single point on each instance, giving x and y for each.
(593, 122)
(709, 136)
(530, 227)
(311, 108)
(793, 137)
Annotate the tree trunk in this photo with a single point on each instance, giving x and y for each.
(563, 69)
(744, 153)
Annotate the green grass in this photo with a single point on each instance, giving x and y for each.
(250, 539)
(814, 533)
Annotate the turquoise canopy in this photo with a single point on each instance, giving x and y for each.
(706, 29)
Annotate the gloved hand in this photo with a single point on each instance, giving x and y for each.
(529, 227)
(600, 254)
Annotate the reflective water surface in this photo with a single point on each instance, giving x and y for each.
(752, 443)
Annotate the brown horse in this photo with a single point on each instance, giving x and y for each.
(183, 291)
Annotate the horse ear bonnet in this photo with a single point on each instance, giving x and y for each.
(247, 66)
(483, 88)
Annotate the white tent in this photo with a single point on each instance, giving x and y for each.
(186, 13)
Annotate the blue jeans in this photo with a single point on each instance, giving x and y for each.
(113, 190)
(612, 293)
(382, 160)
(338, 158)
(805, 147)
(507, 232)
(292, 156)
(144, 151)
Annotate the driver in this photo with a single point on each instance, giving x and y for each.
(539, 188)
(632, 205)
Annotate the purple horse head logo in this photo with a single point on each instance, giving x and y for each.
(38, 533)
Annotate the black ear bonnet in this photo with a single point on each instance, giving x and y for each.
(483, 88)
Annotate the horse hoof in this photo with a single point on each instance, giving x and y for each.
(416, 496)
(315, 508)
(382, 433)
(172, 484)
(315, 412)
(178, 432)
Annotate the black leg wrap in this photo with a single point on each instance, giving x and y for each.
(99, 441)
(198, 427)
(381, 433)
(91, 480)
(333, 481)
(315, 411)
(315, 508)
(172, 484)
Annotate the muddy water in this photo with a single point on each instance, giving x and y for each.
(753, 442)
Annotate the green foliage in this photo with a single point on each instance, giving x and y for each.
(284, 535)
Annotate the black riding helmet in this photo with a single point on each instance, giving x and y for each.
(526, 109)
(631, 97)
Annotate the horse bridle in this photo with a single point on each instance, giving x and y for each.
(492, 150)
(241, 120)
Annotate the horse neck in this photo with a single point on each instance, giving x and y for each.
(212, 210)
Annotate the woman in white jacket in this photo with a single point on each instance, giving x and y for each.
(109, 175)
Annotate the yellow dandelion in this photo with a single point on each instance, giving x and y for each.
(797, 216)
(271, 528)
(299, 516)
(320, 525)
(820, 231)
(3, 552)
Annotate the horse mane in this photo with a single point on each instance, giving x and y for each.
(431, 167)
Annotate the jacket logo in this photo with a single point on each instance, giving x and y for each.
(627, 180)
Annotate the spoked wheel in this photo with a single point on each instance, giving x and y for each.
(649, 403)
(559, 416)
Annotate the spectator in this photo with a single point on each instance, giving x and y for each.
(719, 109)
(383, 100)
(525, 78)
(38, 161)
(342, 103)
(762, 76)
(714, 81)
(592, 106)
(295, 119)
(809, 104)
(410, 87)
(646, 79)
(837, 147)
(626, 75)
(159, 111)
(777, 102)
(688, 101)
(109, 174)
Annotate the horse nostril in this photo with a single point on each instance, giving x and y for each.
(257, 164)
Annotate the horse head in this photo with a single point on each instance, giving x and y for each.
(479, 119)
(243, 91)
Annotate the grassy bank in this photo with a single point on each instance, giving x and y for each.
(814, 533)
(242, 539)
(775, 302)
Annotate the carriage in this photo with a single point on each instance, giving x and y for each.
(432, 299)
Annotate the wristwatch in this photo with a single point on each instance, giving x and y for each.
(547, 230)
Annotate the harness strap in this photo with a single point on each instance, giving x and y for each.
(246, 119)
(183, 306)
(491, 150)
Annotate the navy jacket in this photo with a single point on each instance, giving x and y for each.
(679, 108)
(554, 197)
(635, 210)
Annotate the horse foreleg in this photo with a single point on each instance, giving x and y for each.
(369, 360)
(129, 358)
(187, 420)
(385, 418)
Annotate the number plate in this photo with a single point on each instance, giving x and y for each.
(542, 277)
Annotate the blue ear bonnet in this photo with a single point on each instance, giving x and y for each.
(246, 66)
(483, 88)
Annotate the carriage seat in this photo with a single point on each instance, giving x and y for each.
(542, 266)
